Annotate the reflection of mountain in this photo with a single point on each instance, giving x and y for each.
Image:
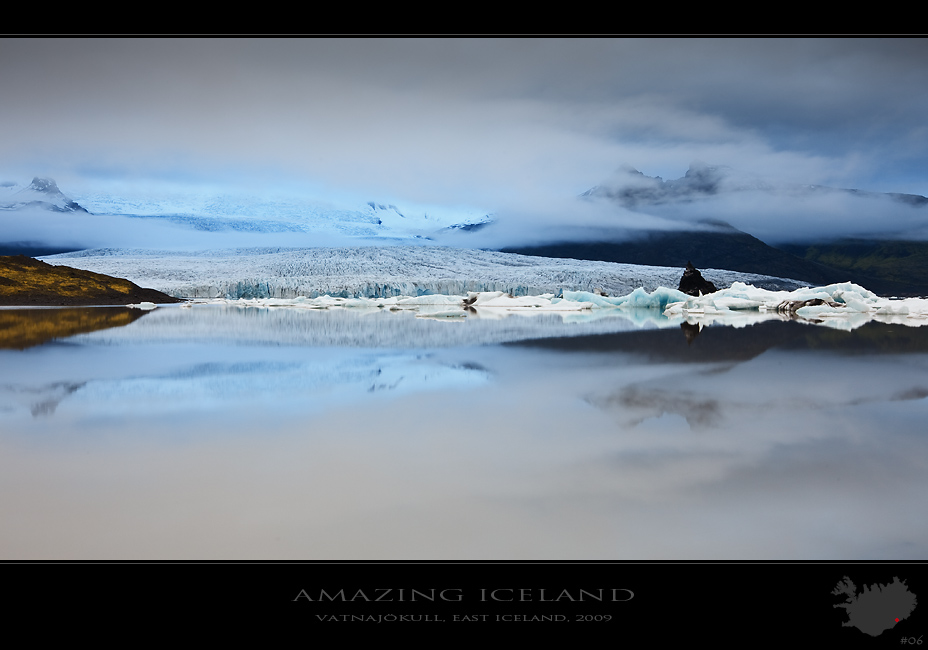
(23, 328)
(716, 378)
(42, 400)
(673, 346)
(51, 396)
(721, 343)
(640, 403)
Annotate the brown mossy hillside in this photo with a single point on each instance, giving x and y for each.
(25, 281)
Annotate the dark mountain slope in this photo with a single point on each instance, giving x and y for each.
(732, 250)
(897, 262)
(899, 269)
(728, 248)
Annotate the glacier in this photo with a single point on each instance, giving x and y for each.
(451, 283)
(379, 272)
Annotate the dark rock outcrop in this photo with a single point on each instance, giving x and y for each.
(791, 306)
(693, 284)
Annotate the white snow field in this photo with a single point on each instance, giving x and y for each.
(378, 272)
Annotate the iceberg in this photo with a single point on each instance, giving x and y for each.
(637, 299)
(847, 302)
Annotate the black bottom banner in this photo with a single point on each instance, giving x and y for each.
(729, 604)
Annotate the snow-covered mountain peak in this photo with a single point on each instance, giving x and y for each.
(423, 221)
(631, 187)
(46, 186)
(41, 193)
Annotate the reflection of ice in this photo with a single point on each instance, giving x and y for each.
(370, 328)
(282, 385)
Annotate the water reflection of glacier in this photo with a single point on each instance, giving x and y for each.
(284, 384)
(243, 434)
(373, 328)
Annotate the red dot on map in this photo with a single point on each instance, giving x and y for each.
(897, 620)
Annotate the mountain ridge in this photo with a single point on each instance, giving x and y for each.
(724, 246)
(632, 188)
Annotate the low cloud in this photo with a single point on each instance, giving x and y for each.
(79, 231)
(513, 127)
(780, 215)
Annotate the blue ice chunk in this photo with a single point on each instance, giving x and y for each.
(637, 299)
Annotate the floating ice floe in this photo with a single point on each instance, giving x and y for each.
(637, 299)
(432, 305)
(543, 302)
(844, 305)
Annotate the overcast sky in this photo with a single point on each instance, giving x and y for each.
(517, 127)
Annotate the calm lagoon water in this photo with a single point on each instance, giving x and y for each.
(225, 433)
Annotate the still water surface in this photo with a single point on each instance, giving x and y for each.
(225, 433)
